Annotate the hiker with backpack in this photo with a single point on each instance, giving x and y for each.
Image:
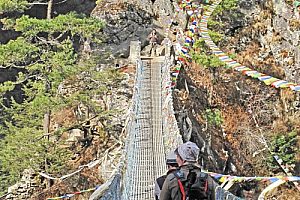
(188, 182)
(172, 166)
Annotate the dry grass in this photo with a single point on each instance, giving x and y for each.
(198, 71)
(284, 53)
(87, 178)
(249, 57)
(280, 126)
(109, 7)
(64, 118)
(287, 95)
(276, 37)
(234, 117)
(283, 193)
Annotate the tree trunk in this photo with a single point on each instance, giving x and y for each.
(46, 123)
(46, 127)
(49, 9)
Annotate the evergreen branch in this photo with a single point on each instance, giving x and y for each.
(24, 80)
(37, 3)
(48, 41)
(3, 106)
(60, 35)
(66, 129)
(42, 136)
(11, 65)
(46, 4)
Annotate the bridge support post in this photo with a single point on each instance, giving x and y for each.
(167, 44)
(135, 51)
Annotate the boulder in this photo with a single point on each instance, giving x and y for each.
(75, 135)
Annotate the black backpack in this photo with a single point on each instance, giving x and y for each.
(195, 187)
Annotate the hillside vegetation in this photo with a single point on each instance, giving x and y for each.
(55, 88)
(242, 123)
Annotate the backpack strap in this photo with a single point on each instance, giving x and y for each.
(181, 189)
(204, 176)
(178, 174)
(206, 185)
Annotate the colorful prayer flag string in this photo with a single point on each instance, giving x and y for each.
(222, 178)
(268, 80)
(185, 41)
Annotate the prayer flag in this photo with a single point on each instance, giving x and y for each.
(188, 40)
(277, 84)
(270, 80)
(265, 77)
(296, 87)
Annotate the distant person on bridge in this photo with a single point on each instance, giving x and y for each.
(172, 166)
(153, 40)
(188, 182)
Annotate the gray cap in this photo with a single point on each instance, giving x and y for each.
(188, 151)
(171, 158)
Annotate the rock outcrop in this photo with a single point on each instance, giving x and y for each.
(25, 188)
(263, 35)
(275, 26)
(130, 21)
(124, 23)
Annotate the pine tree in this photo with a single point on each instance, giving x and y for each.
(46, 52)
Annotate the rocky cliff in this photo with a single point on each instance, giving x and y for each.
(130, 21)
(236, 119)
(274, 27)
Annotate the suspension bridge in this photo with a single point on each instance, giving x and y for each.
(151, 128)
(151, 132)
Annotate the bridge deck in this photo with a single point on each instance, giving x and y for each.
(148, 156)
